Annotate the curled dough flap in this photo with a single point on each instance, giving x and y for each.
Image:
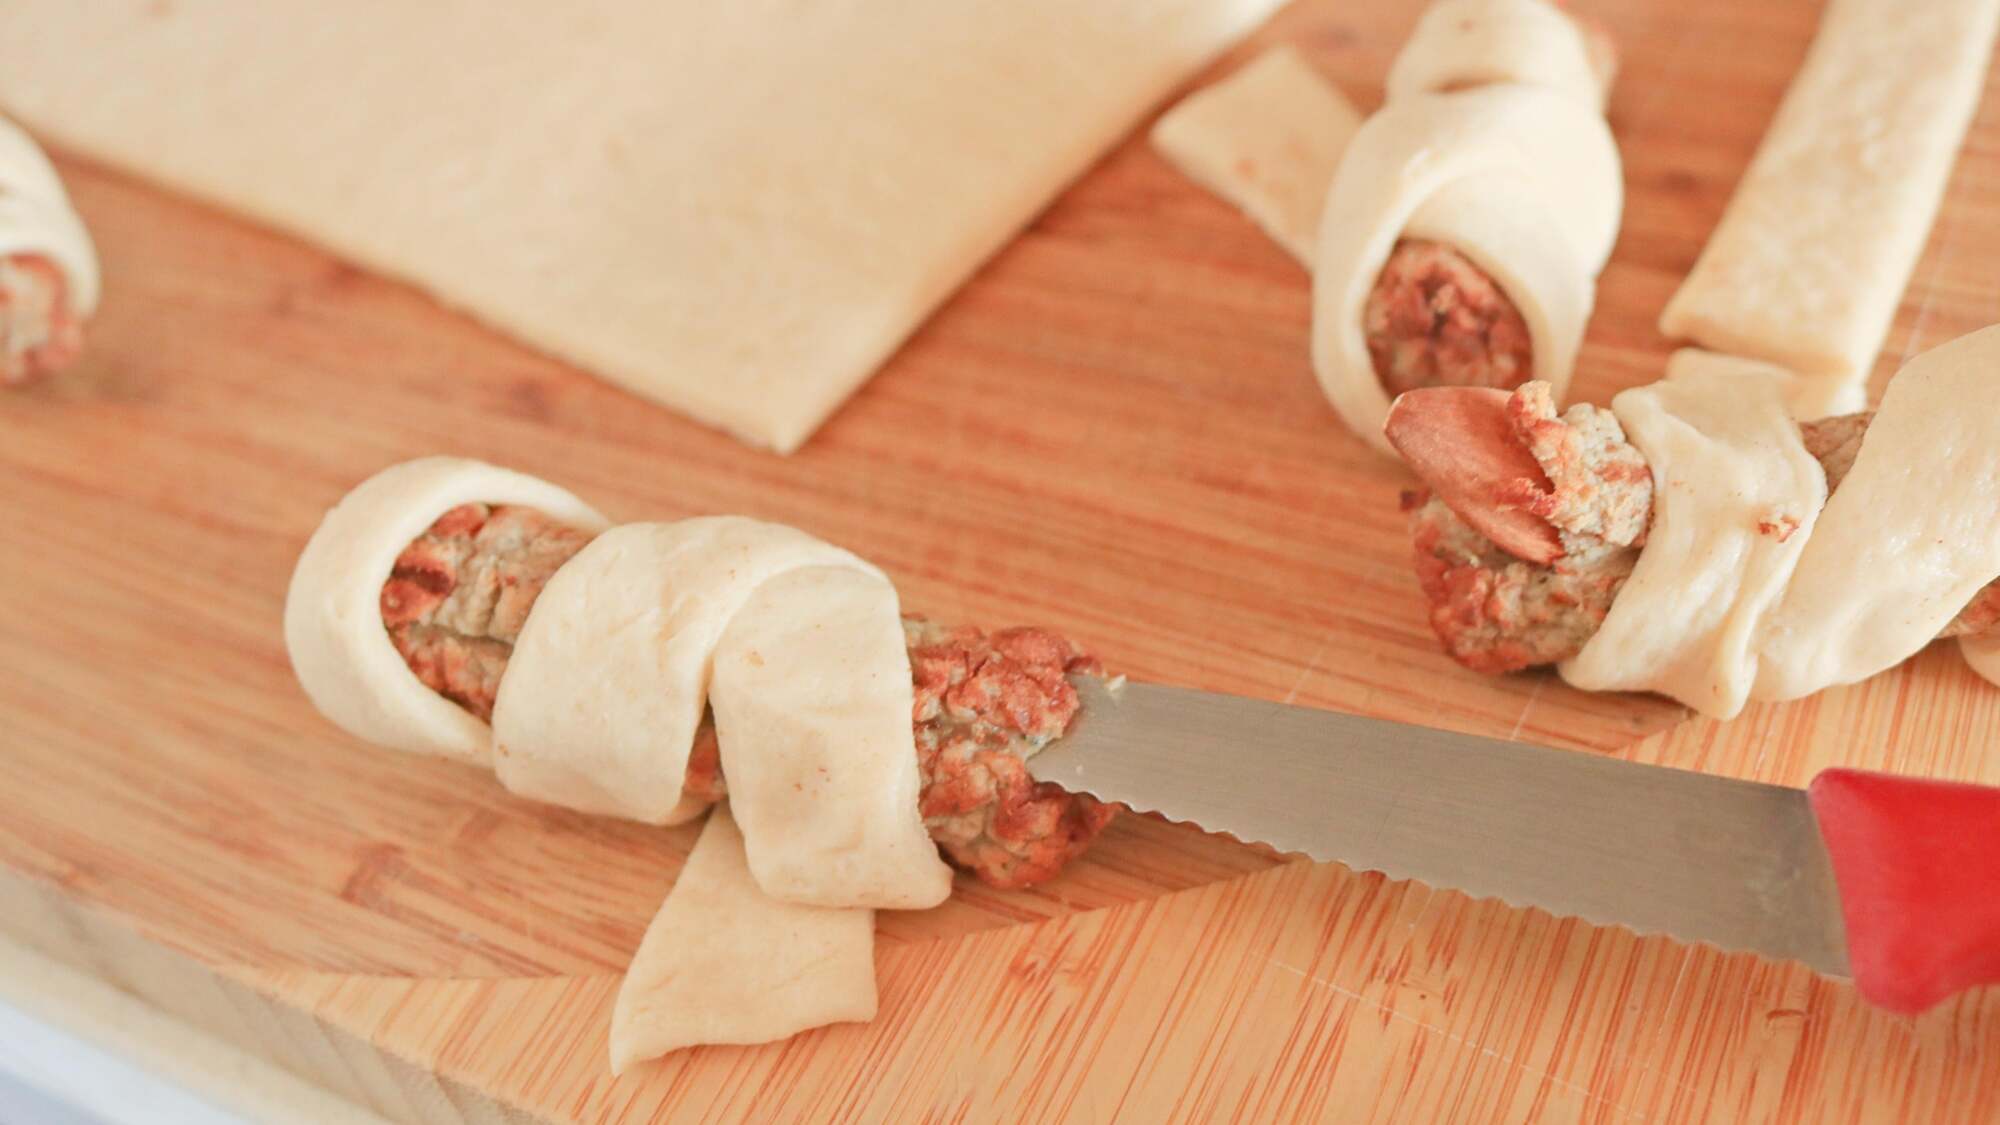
(723, 962)
(1501, 224)
(610, 675)
(813, 697)
(1908, 538)
(1462, 43)
(334, 634)
(1519, 149)
(36, 217)
(1735, 497)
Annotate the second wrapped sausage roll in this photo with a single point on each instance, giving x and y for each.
(1522, 180)
(48, 268)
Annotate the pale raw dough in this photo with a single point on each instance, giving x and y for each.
(1527, 178)
(813, 697)
(36, 217)
(1462, 43)
(739, 209)
(1982, 652)
(1266, 139)
(1735, 498)
(798, 648)
(340, 649)
(724, 962)
(1812, 255)
(610, 675)
(1910, 535)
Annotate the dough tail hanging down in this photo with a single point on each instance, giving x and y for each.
(461, 589)
(48, 269)
(1532, 523)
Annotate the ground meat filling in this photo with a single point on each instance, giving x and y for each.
(985, 703)
(1436, 320)
(1600, 488)
(1496, 613)
(458, 595)
(37, 333)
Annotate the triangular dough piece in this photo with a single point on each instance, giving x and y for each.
(1266, 139)
(736, 207)
(725, 963)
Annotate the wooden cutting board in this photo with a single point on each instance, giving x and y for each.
(1112, 429)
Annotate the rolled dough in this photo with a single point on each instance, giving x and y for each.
(738, 209)
(1812, 255)
(334, 634)
(1266, 139)
(795, 645)
(1735, 498)
(36, 217)
(1530, 175)
(1908, 538)
(813, 697)
(610, 675)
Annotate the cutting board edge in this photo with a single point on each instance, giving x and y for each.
(229, 1006)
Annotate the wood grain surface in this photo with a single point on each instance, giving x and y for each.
(1113, 429)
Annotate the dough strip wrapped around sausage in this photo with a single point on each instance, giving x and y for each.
(460, 594)
(48, 268)
(1751, 583)
(420, 607)
(1491, 144)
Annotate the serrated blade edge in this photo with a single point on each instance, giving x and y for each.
(1736, 864)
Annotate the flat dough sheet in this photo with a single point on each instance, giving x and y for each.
(738, 209)
(1811, 258)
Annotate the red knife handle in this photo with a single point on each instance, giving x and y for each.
(1918, 867)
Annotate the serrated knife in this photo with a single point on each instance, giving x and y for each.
(1892, 881)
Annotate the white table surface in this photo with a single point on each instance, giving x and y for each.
(51, 1077)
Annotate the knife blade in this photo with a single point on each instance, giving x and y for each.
(1738, 864)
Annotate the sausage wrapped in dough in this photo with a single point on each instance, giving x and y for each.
(1743, 580)
(48, 268)
(1464, 230)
